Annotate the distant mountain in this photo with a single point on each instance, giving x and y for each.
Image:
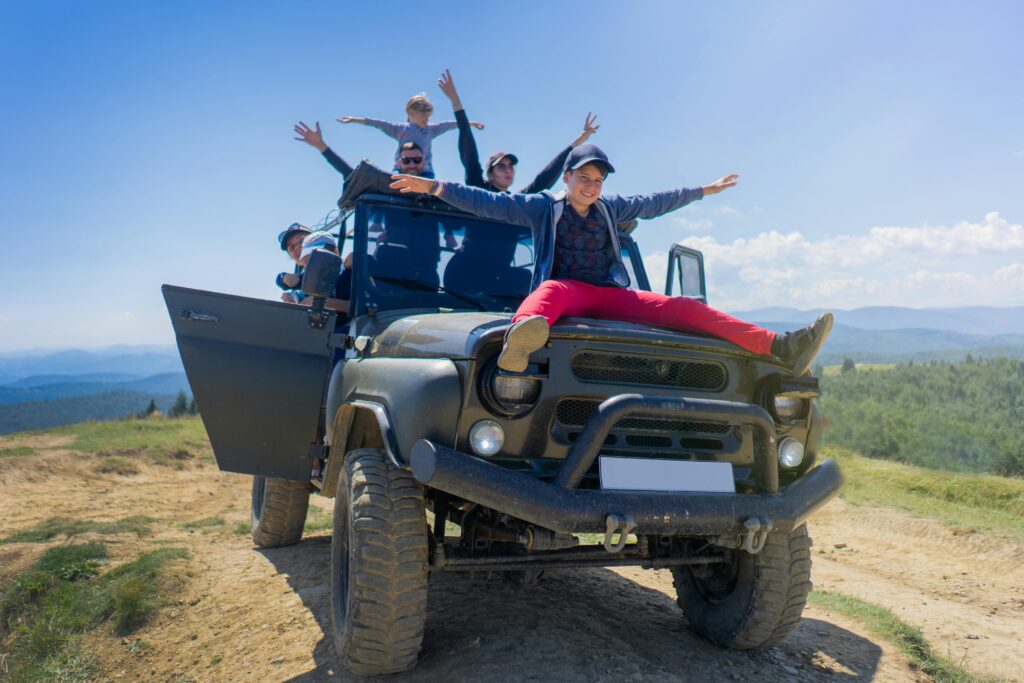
(976, 320)
(42, 380)
(123, 360)
(34, 389)
(106, 406)
(901, 345)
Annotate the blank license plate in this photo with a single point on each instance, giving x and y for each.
(646, 474)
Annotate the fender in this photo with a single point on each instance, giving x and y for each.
(411, 398)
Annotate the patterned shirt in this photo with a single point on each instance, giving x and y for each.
(583, 249)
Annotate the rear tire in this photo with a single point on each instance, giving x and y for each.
(756, 600)
(378, 566)
(279, 509)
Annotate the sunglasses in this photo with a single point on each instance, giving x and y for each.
(411, 160)
(504, 166)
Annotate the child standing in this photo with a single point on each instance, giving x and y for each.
(417, 128)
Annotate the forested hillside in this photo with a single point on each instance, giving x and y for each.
(964, 417)
(109, 405)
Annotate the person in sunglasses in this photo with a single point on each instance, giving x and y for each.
(417, 130)
(580, 272)
(501, 166)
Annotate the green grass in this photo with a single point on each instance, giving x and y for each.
(168, 442)
(59, 526)
(318, 520)
(117, 465)
(44, 609)
(206, 524)
(243, 528)
(16, 451)
(985, 503)
(906, 638)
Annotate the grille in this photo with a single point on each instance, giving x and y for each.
(574, 412)
(592, 366)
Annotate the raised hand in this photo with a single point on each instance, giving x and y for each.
(411, 183)
(477, 125)
(447, 85)
(348, 119)
(310, 136)
(589, 128)
(723, 183)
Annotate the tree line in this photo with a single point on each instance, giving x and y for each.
(966, 417)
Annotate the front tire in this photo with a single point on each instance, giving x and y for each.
(279, 509)
(378, 566)
(754, 601)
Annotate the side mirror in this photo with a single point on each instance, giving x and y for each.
(321, 275)
(686, 273)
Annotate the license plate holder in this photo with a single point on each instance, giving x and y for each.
(653, 474)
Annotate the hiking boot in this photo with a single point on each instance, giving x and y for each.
(522, 339)
(798, 349)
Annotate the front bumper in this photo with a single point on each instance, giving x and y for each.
(561, 507)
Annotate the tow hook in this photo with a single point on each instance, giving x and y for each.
(623, 525)
(754, 539)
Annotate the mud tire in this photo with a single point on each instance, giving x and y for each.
(378, 566)
(279, 509)
(757, 600)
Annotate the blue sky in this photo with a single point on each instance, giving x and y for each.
(880, 145)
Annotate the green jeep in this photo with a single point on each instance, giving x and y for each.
(620, 445)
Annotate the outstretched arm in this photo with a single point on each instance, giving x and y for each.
(315, 139)
(550, 174)
(389, 128)
(660, 203)
(521, 209)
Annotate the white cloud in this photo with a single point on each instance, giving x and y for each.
(967, 263)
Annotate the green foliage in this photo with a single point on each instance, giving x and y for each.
(908, 639)
(180, 407)
(59, 526)
(963, 417)
(151, 407)
(318, 520)
(975, 502)
(243, 529)
(848, 366)
(110, 405)
(117, 465)
(16, 451)
(169, 443)
(62, 595)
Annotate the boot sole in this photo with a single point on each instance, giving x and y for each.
(522, 339)
(802, 362)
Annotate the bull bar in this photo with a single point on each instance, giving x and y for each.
(562, 507)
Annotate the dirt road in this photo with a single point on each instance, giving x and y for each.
(261, 615)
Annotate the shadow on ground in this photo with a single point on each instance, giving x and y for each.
(591, 625)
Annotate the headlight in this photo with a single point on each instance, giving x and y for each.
(486, 437)
(789, 407)
(507, 395)
(791, 452)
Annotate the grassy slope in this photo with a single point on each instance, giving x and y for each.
(985, 503)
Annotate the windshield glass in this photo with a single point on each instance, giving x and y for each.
(419, 258)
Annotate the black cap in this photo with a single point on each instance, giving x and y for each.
(289, 231)
(585, 154)
(498, 156)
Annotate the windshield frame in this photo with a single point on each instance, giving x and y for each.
(363, 302)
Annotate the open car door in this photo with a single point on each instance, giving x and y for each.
(258, 371)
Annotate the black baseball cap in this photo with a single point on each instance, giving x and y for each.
(498, 156)
(289, 231)
(585, 154)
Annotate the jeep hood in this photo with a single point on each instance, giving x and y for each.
(462, 335)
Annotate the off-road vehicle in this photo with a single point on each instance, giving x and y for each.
(619, 445)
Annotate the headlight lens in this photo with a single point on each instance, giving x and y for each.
(507, 395)
(788, 407)
(791, 452)
(486, 437)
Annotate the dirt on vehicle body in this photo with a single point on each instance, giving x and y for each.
(620, 445)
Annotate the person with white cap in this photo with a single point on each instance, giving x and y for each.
(579, 269)
(343, 288)
(290, 240)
